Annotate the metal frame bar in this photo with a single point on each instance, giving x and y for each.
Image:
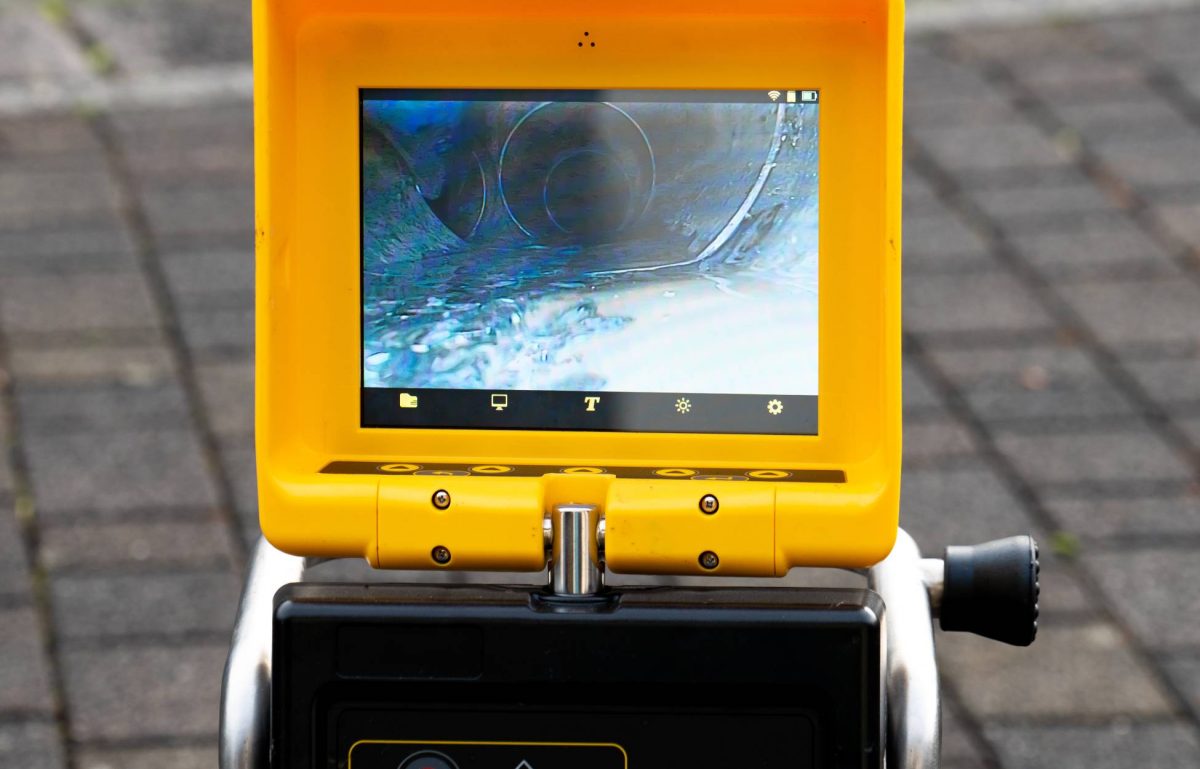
(911, 693)
(245, 731)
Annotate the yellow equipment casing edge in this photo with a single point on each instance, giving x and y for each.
(311, 59)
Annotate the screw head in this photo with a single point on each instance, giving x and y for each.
(709, 504)
(440, 555)
(441, 499)
(709, 560)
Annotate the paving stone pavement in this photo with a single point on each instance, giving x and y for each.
(1052, 372)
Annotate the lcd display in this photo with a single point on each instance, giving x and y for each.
(590, 260)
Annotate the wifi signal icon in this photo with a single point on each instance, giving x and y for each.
(774, 95)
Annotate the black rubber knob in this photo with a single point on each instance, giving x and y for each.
(992, 590)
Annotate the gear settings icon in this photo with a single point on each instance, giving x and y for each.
(775, 407)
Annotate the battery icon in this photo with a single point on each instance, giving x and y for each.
(808, 96)
(791, 97)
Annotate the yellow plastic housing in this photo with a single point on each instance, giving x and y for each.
(311, 59)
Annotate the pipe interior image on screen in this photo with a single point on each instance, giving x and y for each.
(590, 260)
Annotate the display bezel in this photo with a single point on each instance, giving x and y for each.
(311, 60)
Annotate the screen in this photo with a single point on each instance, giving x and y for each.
(590, 260)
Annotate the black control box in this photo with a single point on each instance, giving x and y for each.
(458, 677)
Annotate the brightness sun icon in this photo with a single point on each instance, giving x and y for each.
(683, 405)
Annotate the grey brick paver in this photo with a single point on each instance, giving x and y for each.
(932, 501)
(15, 583)
(237, 459)
(1153, 161)
(76, 304)
(919, 395)
(979, 301)
(211, 275)
(41, 138)
(228, 393)
(1119, 745)
(929, 81)
(1182, 220)
(1191, 428)
(35, 50)
(1036, 203)
(100, 246)
(1124, 114)
(1097, 458)
(987, 106)
(209, 144)
(118, 472)
(181, 211)
(1035, 43)
(44, 199)
(1184, 670)
(6, 470)
(989, 147)
(219, 333)
(919, 196)
(137, 364)
(1173, 35)
(17, 260)
(223, 165)
(1104, 519)
(31, 745)
(1084, 671)
(1189, 79)
(1075, 75)
(228, 124)
(941, 242)
(152, 36)
(99, 409)
(159, 603)
(1169, 380)
(1155, 591)
(1114, 247)
(1033, 384)
(126, 692)
(934, 440)
(202, 540)
(1158, 313)
(24, 670)
(959, 748)
(148, 758)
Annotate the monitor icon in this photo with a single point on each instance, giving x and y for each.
(499, 401)
(408, 401)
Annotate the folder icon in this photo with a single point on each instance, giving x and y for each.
(408, 401)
